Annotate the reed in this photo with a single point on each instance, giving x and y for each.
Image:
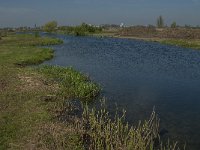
(99, 131)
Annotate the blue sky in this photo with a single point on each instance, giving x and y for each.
(72, 12)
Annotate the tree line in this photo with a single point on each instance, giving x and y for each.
(80, 30)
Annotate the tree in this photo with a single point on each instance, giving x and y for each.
(50, 26)
(173, 25)
(160, 22)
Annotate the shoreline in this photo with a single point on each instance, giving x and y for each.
(33, 99)
(185, 43)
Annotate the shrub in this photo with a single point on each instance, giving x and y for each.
(50, 26)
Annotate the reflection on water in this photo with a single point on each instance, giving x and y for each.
(139, 75)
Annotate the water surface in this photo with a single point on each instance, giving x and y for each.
(139, 75)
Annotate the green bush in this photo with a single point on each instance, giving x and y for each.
(50, 26)
(81, 30)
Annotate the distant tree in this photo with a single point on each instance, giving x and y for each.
(50, 26)
(173, 25)
(160, 22)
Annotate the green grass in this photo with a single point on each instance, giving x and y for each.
(14, 55)
(22, 40)
(30, 98)
(73, 84)
(22, 50)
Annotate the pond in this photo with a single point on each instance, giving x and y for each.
(138, 76)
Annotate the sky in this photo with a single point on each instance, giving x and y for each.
(15, 13)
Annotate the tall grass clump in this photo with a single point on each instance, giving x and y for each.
(100, 131)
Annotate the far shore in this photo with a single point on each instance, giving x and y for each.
(186, 43)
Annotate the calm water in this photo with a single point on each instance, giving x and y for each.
(139, 75)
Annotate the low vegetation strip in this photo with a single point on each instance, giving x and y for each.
(35, 111)
(194, 44)
(185, 43)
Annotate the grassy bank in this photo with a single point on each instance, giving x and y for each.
(35, 112)
(31, 97)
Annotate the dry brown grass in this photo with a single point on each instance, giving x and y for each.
(166, 33)
(35, 82)
(53, 136)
